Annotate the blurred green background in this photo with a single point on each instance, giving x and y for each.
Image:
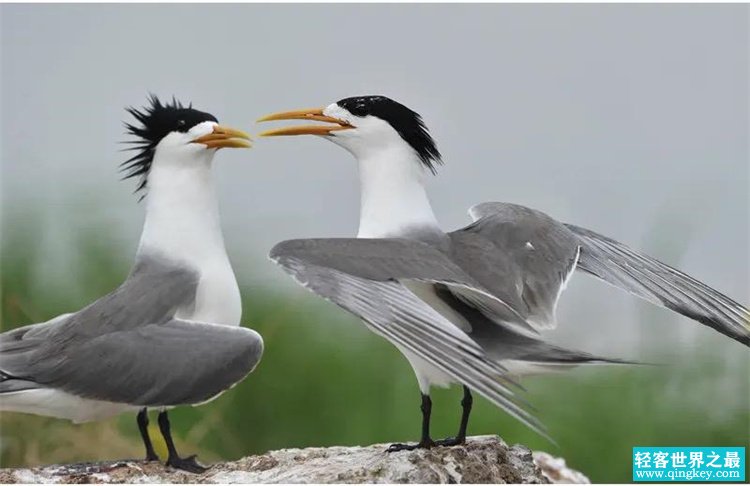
(312, 390)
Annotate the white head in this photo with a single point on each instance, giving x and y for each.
(367, 126)
(172, 136)
(394, 151)
(175, 147)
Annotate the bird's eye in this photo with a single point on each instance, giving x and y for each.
(359, 110)
(181, 122)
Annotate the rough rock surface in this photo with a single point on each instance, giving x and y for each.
(485, 459)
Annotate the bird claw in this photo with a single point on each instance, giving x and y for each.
(451, 441)
(401, 447)
(188, 464)
(424, 444)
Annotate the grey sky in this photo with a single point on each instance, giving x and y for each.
(626, 119)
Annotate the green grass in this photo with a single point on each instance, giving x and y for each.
(309, 390)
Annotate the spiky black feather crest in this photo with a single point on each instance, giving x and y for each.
(406, 122)
(157, 120)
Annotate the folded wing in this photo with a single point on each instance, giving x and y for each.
(174, 363)
(127, 347)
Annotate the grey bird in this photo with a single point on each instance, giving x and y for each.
(464, 306)
(170, 334)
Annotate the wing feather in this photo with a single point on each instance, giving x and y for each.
(127, 347)
(661, 284)
(174, 363)
(521, 255)
(395, 313)
(403, 259)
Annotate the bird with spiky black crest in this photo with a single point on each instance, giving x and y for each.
(169, 335)
(157, 120)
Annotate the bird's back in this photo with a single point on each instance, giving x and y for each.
(522, 256)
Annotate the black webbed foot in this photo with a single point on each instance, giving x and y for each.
(451, 441)
(174, 460)
(423, 444)
(460, 438)
(188, 464)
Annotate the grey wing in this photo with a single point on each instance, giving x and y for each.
(174, 363)
(661, 284)
(127, 347)
(16, 346)
(394, 312)
(151, 294)
(407, 260)
(522, 256)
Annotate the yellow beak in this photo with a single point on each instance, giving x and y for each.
(225, 137)
(315, 114)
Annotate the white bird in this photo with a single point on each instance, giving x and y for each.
(463, 306)
(169, 335)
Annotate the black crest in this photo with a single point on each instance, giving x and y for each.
(156, 120)
(406, 122)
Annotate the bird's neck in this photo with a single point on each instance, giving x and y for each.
(182, 214)
(182, 225)
(393, 199)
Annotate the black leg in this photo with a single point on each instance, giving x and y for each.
(425, 442)
(188, 464)
(460, 438)
(142, 420)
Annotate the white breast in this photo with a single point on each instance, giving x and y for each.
(183, 224)
(217, 298)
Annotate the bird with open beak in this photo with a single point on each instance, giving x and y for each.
(465, 306)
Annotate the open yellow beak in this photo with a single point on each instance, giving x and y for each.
(315, 114)
(225, 137)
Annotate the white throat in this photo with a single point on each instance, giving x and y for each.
(393, 199)
(182, 223)
(182, 213)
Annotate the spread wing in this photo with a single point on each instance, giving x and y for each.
(520, 255)
(362, 276)
(661, 284)
(540, 275)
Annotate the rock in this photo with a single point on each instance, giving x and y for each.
(484, 459)
(556, 471)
